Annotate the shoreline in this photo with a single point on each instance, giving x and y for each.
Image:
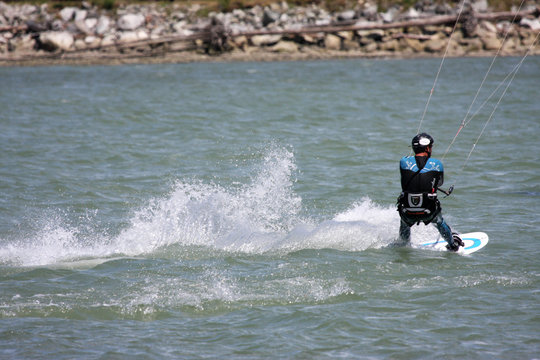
(86, 35)
(233, 57)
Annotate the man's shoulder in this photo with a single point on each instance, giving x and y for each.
(434, 165)
(407, 162)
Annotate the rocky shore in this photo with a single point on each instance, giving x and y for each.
(33, 35)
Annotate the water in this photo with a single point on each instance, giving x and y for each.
(247, 211)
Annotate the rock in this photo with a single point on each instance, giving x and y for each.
(265, 40)
(510, 45)
(368, 36)
(240, 41)
(410, 14)
(533, 24)
(369, 48)
(57, 25)
(312, 38)
(350, 44)
(4, 48)
(7, 11)
(81, 26)
(332, 42)
(269, 17)
(142, 34)
(91, 23)
(491, 43)
(390, 15)
(346, 35)
(489, 27)
(108, 40)
(370, 11)
(480, 5)
(130, 21)
(346, 15)
(92, 40)
(25, 43)
(414, 44)
(157, 32)
(56, 40)
(528, 37)
(180, 26)
(472, 45)
(79, 44)
(178, 15)
(67, 13)
(392, 45)
(127, 37)
(80, 15)
(435, 45)
(285, 47)
(33, 26)
(103, 25)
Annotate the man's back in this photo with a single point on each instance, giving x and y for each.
(421, 174)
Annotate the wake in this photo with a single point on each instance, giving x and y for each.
(262, 216)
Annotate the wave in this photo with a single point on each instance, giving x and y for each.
(258, 217)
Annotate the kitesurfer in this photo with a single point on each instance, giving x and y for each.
(421, 176)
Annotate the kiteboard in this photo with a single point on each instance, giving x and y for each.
(473, 242)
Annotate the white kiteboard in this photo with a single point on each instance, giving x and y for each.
(473, 242)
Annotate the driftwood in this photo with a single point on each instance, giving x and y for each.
(216, 36)
(435, 20)
(13, 29)
(209, 36)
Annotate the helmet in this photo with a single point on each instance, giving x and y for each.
(421, 141)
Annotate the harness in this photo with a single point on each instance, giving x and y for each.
(414, 208)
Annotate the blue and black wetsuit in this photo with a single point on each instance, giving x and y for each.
(420, 178)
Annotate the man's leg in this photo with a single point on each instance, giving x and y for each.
(444, 229)
(404, 232)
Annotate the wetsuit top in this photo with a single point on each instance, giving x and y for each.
(427, 180)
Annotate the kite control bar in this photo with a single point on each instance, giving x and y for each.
(447, 192)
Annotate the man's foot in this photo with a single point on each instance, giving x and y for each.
(456, 243)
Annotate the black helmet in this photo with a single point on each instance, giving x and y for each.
(421, 141)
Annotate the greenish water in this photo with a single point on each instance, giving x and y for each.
(247, 211)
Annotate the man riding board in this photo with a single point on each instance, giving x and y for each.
(421, 176)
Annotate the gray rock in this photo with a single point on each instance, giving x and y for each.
(390, 15)
(269, 17)
(91, 23)
(57, 25)
(285, 47)
(265, 40)
(80, 15)
(68, 13)
(480, 5)
(103, 25)
(54, 40)
(435, 45)
(83, 27)
(127, 37)
(533, 24)
(346, 15)
(130, 21)
(332, 42)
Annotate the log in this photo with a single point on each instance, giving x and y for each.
(435, 20)
(206, 35)
(13, 28)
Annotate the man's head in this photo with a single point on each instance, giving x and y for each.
(422, 143)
